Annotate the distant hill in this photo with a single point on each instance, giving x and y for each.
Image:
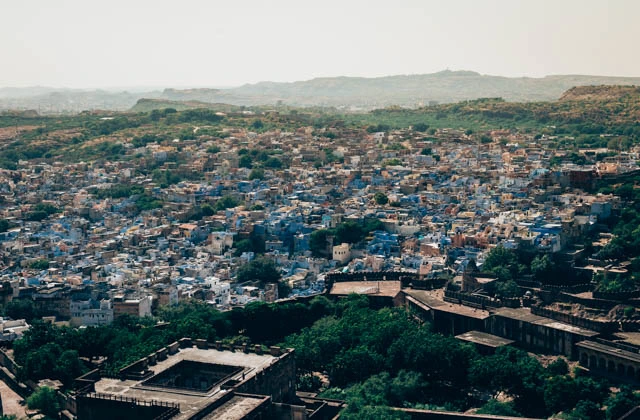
(417, 90)
(342, 92)
(11, 92)
(59, 101)
(147, 105)
(601, 93)
(201, 95)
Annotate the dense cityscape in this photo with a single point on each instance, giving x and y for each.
(221, 231)
(336, 210)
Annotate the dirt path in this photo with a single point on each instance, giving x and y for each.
(11, 402)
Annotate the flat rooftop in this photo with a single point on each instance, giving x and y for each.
(485, 339)
(371, 288)
(609, 350)
(435, 300)
(236, 408)
(190, 402)
(525, 315)
(632, 338)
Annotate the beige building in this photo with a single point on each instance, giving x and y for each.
(342, 253)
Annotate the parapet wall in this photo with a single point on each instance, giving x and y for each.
(94, 406)
(619, 296)
(277, 380)
(590, 324)
(371, 276)
(480, 302)
(603, 304)
(574, 288)
(630, 325)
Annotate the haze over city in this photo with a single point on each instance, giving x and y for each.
(217, 43)
(295, 210)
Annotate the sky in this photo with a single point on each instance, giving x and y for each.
(193, 43)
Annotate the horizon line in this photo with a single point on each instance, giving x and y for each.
(156, 87)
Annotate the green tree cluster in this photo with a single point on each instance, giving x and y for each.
(261, 269)
(226, 202)
(45, 400)
(347, 232)
(141, 141)
(40, 264)
(381, 198)
(117, 191)
(48, 351)
(199, 115)
(22, 309)
(145, 202)
(504, 264)
(41, 211)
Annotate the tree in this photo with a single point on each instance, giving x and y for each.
(36, 216)
(39, 264)
(497, 408)
(155, 115)
(45, 400)
(241, 246)
(542, 267)
(318, 242)
(507, 288)
(207, 210)
(407, 386)
(308, 383)
(357, 412)
(381, 198)
(245, 162)
(586, 410)
(22, 309)
(256, 173)
(273, 162)
(226, 202)
(353, 364)
(558, 367)
(349, 232)
(621, 402)
(512, 371)
(421, 127)
(4, 225)
(504, 264)
(261, 269)
(283, 289)
(49, 209)
(560, 393)
(68, 367)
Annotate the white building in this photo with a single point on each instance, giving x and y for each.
(91, 313)
(221, 290)
(11, 330)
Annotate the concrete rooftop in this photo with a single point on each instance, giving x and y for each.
(524, 314)
(191, 401)
(489, 340)
(370, 288)
(435, 300)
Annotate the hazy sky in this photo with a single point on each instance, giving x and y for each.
(88, 43)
